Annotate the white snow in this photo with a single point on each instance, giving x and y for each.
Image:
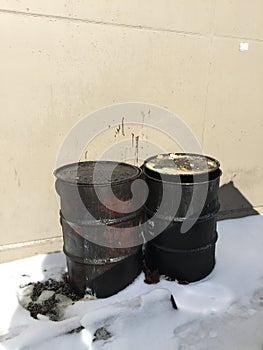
(223, 311)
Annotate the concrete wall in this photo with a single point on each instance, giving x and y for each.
(61, 60)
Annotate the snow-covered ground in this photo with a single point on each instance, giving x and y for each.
(223, 311)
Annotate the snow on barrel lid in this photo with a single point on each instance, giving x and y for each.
(181, 164)
(106, 172)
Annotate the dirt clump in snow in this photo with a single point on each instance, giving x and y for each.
(48, 298)
(59, 287)
(102, 334)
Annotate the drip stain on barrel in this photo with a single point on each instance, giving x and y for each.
(101, 248)
(188, 256)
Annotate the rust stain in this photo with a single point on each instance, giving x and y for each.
(143, 116)
(122, 127)
(17, 179)
(117, 131)
(132, 135)
(137, 148)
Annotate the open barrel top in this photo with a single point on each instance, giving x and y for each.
(181, 164)
(97, 172)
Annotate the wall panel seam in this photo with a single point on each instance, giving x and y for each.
(25, 244)
(209, 71)
(88, 21)
(132, 26)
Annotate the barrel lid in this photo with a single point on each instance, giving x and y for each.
(184, 165)
(107, 172)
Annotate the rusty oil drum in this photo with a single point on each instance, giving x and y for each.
(87, 220)
(188, 256)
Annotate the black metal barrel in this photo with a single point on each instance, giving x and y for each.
(181, 187)
(100, 232)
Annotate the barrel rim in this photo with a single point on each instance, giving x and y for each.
(114, 182)
(199, 250)
(183, 183)
(102, 261)
(107, 221)
(180, 219)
